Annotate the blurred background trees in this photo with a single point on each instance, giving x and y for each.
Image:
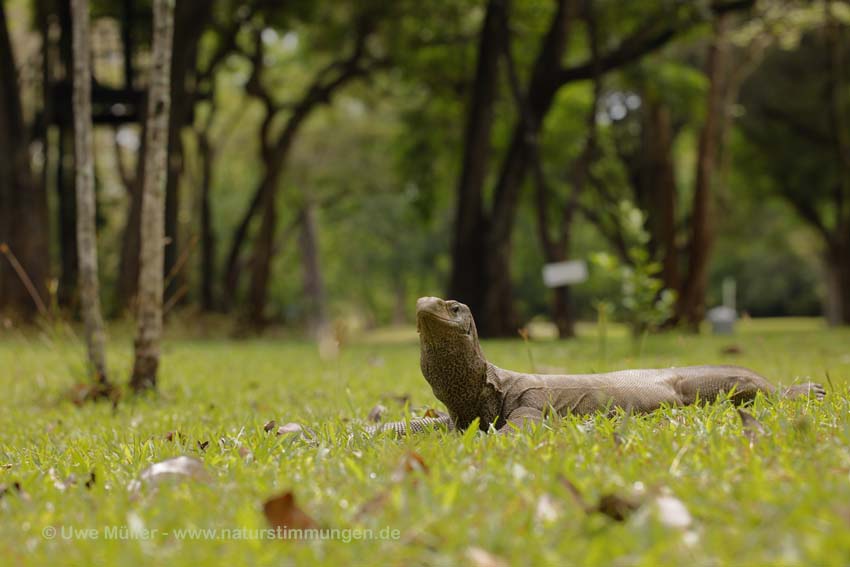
(334, 160)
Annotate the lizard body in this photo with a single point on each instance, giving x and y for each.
(471, 387)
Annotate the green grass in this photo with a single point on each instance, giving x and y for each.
(785, 500)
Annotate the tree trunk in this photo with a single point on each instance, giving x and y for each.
(190, 20)
(837, 272)
(691, 304)
(23, 203)
(469, 245)
(67, 213)
(319, 92)
(149, 325)
(65, 174)
(314, 285)
(262, 259)
(128, 274)
(487, 281)
(840, 122)
(86, 203)
(207, 155)
(661, 179)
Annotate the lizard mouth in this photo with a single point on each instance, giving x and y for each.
(428, 315)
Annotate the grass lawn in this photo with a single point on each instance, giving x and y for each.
(707, 495)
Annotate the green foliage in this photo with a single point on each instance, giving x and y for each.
(643, 302)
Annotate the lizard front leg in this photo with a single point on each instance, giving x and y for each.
(521, 418)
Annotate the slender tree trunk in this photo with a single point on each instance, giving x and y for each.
(86, 203)
(314, 284)
(838, 285)
(67, 213)
(840, 121)
(190, 20)
(149, 325)
(657, 177)
(23, 203)
(65, 175)
(691, 304)
(262, 259)
(208, 243)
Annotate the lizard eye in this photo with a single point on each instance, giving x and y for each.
(455, 308)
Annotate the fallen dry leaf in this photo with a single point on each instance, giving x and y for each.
(411, 462)
(753, 429)
(482, 558)
(731, 350)
(616, 507)
(245, 452)
(15, 488)
(202, 445)
(175, 436)
(177, 468)
(282, 512)
(373, 505)
(91, 480)
(431, 412)
(376, 413)
(269, 425)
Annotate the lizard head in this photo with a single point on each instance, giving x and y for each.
(451, 357)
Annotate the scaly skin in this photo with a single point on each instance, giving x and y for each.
(470, 387)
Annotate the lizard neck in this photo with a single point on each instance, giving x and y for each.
(459, 376)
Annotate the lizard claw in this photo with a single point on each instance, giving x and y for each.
(805, 389)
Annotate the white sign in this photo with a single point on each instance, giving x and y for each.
(564, 273)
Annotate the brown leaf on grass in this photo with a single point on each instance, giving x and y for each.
(202, 445)
(482, 558)
(373, 505)
(612, 505)
(14, 488)
(175, 436)
(179, 469)
(431, 412)
(82, 393)
(282, 512)
(753, 429)
(376, 413)
(616, 507)
(269, 425)
(90, 481)
(245, 452)
(410, 463)
(6, 466)
(731, 350)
